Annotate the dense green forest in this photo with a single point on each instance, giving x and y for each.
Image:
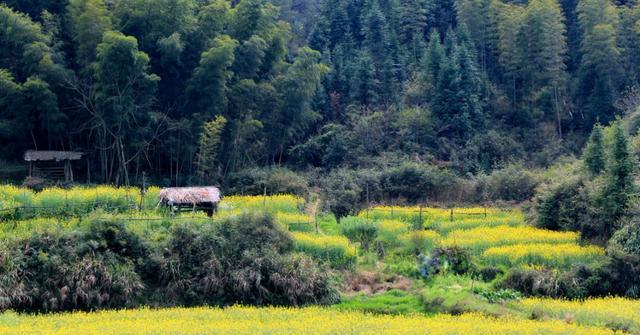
(202, 90)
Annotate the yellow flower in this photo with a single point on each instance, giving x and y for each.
(251, 320)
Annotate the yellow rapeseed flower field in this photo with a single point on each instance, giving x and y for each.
(276, 203)
(620, 313)
(250, 320)
(515, 219)
(481, 238)
(335, 249)
(559, 255)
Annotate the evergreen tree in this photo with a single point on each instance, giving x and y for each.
(431, 61)
(365, 85)
(456, 102)
(593, 155)
(618, 183)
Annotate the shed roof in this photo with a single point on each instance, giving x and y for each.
(190, 195)
(36, 155)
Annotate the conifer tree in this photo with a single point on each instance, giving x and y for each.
(593, 155)
(618, 182)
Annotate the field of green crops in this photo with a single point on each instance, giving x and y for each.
(378, 255)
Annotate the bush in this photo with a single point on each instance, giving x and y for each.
(414, 182)
(512, 183)
(627, 239)
(487, 150)
(561, 206)
(446, 260)
(243, 259)
(276, 180)
(532, 282)
(489, 273)
(498, 296)
(359, 230)
(616, 276)
(419, 241)
(71, 272)
(342, 194)
(12, 285)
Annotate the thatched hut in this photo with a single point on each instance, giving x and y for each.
(54, 165)
(203, 198)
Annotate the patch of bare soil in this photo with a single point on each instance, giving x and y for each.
(372, 282)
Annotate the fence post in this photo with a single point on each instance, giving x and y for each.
(485, 212)
(142, 191)
(264, 197)
(451, 215)
(420, 218)
(316, 222)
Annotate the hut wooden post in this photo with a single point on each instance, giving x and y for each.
(67, 167)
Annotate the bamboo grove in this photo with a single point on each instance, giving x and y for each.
(186, 89)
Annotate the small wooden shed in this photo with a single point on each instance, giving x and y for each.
(55, 165)
(179, 198)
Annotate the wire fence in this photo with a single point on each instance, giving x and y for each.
(422, 212)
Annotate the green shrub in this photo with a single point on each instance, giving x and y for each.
(487, 150)
(419, 241)
(244, 259)
(489, 273)
(359, 230)
(498, 296)
(446, 260)
(13, 290)
(276, 181)
(342, 194)
(67, 271)
(533, 282)
(512, 183)
(627, 238)
(241, 259)
(414, 182)
(561, 206)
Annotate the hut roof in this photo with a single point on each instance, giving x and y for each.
(190, 195)
(35, 155)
